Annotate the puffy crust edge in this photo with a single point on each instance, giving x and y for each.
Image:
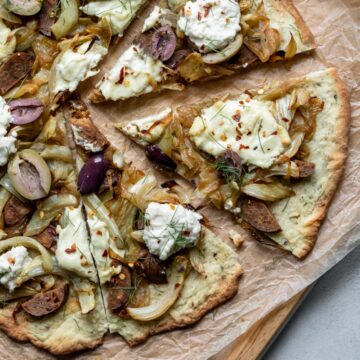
(336, 167)
(305, 33)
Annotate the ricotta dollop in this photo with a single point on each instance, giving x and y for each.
(77, 65)
(7, 142)
(170, 228)
(12, 263)
(134, 73)
(118, 13)
(245, 126)
(210, 24)
(73, 251)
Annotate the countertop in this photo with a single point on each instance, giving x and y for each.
(327, 324)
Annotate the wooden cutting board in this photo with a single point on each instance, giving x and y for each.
(252, 344)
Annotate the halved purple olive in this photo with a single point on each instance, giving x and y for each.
(163, 43)
(30, 175)
(92, 174)
(25, 111)
(157, 156)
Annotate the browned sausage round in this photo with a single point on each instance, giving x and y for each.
(119, 289)
(14, 69)
(46, 303)
(15, 211)
(257, 214)
(153, 269)
(48, 237)
(306, 168)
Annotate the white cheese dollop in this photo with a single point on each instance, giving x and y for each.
(100, 246)
(12, 263)
(150, 128)
(77, 65)
(73, 250)
(134, 73)
(119, 13)
(245, 126)
(170, 228)
(210, 24)
(7, 143)
(7, 41)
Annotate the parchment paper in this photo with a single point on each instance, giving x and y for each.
(271, 278)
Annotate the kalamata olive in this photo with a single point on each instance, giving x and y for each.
(228, 165)
(177, 58)
(157, 156)
(92, 174)
(163, 43)
(24, 7)
(25, 111)
(30, 175)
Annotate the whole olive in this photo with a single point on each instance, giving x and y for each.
(157, 156)
(92, 174)
(30, 175)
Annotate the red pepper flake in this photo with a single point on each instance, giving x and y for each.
(199, 16)
(122, 75)
(238, 137)
(71, 250)
(274, 132)
(186, 232)
(99, 233)
(236, 117)
(177, 285)
(241, 102)
(285, 119)
(105, 253)
(245, 147)
(249, 132)
(255, 147)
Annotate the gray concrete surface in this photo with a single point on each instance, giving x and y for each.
(327, 324)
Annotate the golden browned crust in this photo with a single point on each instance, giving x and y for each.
(306, 36)
(336, 163)
(226, 291)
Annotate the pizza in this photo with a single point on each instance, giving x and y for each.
(48, 276)
(187, 41)
(160, 267)
(256, 154)
(91, 245)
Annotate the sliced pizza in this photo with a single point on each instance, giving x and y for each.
(49, 289)
(160, 267)
(186, 41)
(57, 43)
(271, 156)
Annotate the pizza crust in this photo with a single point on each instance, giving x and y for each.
(314, 195)
(64, 332)
(199, 295)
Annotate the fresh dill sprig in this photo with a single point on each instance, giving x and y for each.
(229, 172)
(258, 134)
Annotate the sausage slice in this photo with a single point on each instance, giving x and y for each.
(15, 211)
(14, 69)
(48, 237)
(153, 269)
(257, 214)
(306, 168)
(46, 303)
(119, 289)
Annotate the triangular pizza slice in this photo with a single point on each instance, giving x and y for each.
(187, 41)
(272, 156)
(159, 265)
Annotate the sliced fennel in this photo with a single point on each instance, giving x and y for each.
(161, 306)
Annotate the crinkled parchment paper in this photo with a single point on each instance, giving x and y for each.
(271, 278)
